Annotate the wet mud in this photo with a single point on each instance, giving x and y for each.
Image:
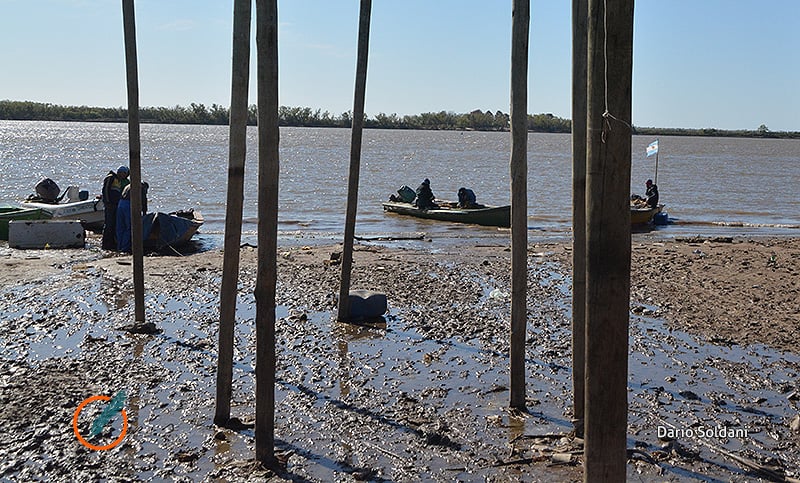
(421, 395)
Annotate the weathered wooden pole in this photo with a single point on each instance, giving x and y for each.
(355, 159)
(608, 237)
(237, 150)
(134, 147)
(579, 40)
(267, 271)
(519, 198)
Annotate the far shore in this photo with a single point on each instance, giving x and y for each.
(477, 120)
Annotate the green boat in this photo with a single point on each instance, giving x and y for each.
(10, 212)
(449, 211)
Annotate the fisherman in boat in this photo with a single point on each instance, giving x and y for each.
(424, 199)
(113, 184)
(651, 194)
(467, 199)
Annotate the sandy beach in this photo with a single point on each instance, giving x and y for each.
(714, 330)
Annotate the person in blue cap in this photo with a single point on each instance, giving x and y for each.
(113, 184)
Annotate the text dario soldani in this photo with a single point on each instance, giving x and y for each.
(719, 432)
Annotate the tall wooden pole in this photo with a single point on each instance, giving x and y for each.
(355, 159)
(267, 271)
(519, 198)
(237, 150)
(579, 40)
(610, 62)
(134, 146)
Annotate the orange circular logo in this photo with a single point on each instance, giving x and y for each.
(78, 433)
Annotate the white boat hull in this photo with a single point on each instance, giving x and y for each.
(89, 212)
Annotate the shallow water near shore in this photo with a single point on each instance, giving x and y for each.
(389, 399)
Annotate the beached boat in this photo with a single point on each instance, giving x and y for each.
(89, 212)
(642, 215)
(449, 211)
(10, 212)
(162, 230)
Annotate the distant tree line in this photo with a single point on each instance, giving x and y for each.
(476, 120)
(761, 132)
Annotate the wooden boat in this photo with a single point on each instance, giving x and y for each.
(449, 211)
(11, 212)
(162, 230)
(89, 212)
(643, 214)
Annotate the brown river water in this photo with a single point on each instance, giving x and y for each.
(710, 186)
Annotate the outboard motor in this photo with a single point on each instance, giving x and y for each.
(47, 190)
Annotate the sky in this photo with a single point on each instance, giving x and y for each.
(726, 64)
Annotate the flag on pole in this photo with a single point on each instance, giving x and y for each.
(652, 148)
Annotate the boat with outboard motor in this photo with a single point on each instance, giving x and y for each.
(72, 204)
(485, 215)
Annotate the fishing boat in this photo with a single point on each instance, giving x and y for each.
(643, 214)
(89, 212)
(163, 230)
(449, 211)
(11, 212)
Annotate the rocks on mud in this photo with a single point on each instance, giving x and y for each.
(148, 328)
(795, 424)
(187, 456)
(689, 395)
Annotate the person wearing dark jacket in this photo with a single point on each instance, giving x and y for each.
(651, 194)
(113, 184)
(424, 199)
(466, 198)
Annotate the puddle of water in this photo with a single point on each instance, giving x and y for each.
(337, 381)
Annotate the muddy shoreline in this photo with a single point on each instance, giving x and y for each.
(714, 325)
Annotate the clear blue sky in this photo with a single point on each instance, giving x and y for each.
(730, 64)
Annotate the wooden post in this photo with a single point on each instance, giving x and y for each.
(579, 39)
(355, 159)
(610, 59)
(134, 147)
(519, 198)
(237, 151)
(267, 271)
